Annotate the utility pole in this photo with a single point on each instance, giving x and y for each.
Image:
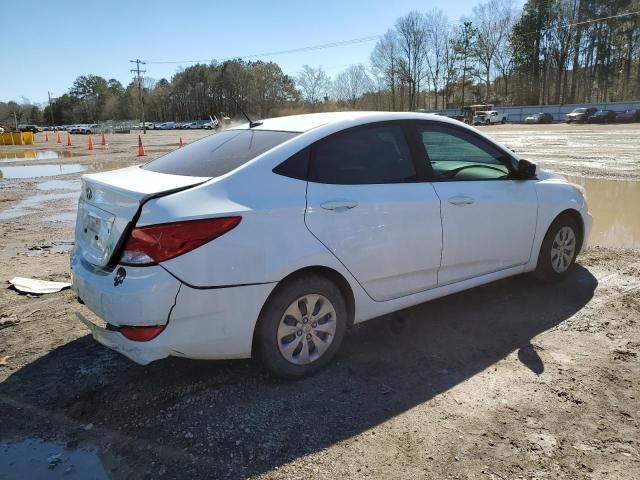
(51, 110)
(465, 44)
(137, 71)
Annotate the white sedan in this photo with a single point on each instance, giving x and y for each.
(272, 238)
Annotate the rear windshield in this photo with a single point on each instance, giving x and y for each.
(219, 153)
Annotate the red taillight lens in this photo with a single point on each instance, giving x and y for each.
(157, 243)
(141, 334)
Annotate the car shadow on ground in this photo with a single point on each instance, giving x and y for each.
(232, 420)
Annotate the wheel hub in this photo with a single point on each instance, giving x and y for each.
(306, 329)
(563, 249)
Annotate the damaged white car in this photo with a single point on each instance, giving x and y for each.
(272, 238)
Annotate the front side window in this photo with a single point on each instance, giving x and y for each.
(218, 153)
(458, 155)
(367, 155)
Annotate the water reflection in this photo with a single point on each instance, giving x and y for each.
(615, 207)
(34, 155)
(37, 459)
(32, 171)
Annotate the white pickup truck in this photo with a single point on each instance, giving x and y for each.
(488, 117)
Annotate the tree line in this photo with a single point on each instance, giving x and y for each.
(549, 51)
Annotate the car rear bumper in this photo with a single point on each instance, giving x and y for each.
(209, 323)
(141, 296)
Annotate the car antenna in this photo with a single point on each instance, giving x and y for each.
(251, 122)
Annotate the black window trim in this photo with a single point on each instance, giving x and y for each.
(506, 159)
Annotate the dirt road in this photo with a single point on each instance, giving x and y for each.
(515, 379)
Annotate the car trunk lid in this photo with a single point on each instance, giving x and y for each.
(110, 201)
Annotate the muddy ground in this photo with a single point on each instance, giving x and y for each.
(515, 379)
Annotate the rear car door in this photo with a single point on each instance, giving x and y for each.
(488, 218)
(366, 204)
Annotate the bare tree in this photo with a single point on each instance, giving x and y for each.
(493, 22)
(412, 43)
(437, 28)
(384, 63)
(314, 84)
(351, 84)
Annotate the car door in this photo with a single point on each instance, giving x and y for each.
(488, 218)
(369, 207)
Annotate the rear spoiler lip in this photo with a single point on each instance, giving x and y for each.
(115, 255)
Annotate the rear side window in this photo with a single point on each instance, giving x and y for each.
(376, 154)
(219, 153)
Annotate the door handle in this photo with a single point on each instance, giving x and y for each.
(338, 205)
(461, 200)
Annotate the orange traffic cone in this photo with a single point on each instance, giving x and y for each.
(46, 137)
(58, 139)
(140, 147)
(104, 139)
(68, 139)
(90, 142)
(180, 143)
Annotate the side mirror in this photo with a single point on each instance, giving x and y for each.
(526, 169)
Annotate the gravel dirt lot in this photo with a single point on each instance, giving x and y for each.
(515, 379)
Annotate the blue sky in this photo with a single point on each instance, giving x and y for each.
(58, 41)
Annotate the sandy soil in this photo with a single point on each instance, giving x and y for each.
(515, 379)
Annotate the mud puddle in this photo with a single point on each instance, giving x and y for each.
(34, 171)
(615, 206)
(56, 247)
(34, 155)
(38, 459)
(59, 185)
(37, 203)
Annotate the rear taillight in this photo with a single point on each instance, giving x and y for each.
(141, 334)
(158, 243)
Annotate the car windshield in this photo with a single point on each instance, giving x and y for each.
(580, 110)
(219, 153)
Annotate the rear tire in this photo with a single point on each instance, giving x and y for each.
(301, 327)
(559, 250)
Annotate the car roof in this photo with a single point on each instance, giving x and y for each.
(310, 121)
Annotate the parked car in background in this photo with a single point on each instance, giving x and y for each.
(628, 116)
(488, 118)
(350, 216)
(580, 114)
(1, 130)
(83, 129)
(603, 116)
(149, 125)
(212, 123)
(541, 117)
(29, 128)
(166, 126)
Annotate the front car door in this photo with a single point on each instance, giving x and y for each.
(369, 207)
(488, 218)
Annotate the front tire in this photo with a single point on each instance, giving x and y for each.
(559, 250)
(301, 327)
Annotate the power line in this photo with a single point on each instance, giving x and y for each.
(322, 46)
(568, 25)
(370, 38)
